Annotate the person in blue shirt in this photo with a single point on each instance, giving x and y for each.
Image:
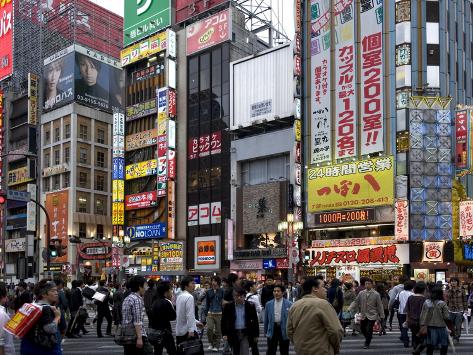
(275, 322)
(213, 313)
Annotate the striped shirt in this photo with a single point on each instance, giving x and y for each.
(132, 311)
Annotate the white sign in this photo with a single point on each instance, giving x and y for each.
(172, 46)
(401, 220)
(31, 209)
(466, 219)
(192, 215)
(433, 251)
(118, 124)
(246, 265)
(171, 134)
(15, 245)
(215, 212)
(261, 108)
(204, 213)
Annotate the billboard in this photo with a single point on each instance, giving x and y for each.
(171, 256)
(207, 253)
(466, 219)
(363, 183)
(209, 32)
(141, 169)
(6, 39)
(462, 125)
(147, 231)
(186, 9)
(146, 48)
(141, 200)
(58, 80)
(143, 18)
(57, 205)
(141, 139)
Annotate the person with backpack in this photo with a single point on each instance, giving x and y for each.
(335, 295)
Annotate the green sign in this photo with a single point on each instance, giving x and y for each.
(145, 17)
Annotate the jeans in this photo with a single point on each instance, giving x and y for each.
(457, 319)
(214, 329)
(366, 326)
(168, 343)
(277, 339)
(404, 331)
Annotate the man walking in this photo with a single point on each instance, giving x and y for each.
(457, 303)
(213, 311)
(402, 313)
(240, 324)
(275, 322)
(368, 303)
(312, 324)
(186, 324)
(103, 310)
(267, 291)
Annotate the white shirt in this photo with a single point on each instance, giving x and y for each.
(403, 296)
(254, 298)
(277, 310)
(185, 314)
(6, 339)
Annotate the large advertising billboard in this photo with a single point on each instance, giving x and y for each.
(57, 205)
(145, 17)
(186, 9)
(6, 39)
(80, 74)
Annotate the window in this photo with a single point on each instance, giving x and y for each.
(83, 132)
(100, 136)
(100, 162)
(100, 183)
(56, 182)
(67, 154)
(57, 157)
(46, 186)
(82, 230)
(47, 137)
(83, 155)
(82, 204)
(82, 179)
(67, 180)
(262, 171)
(57, 134)
(47, 160)
(67, 131)
(99, 231)
(99, 206)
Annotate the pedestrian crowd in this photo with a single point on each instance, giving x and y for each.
(312, 314)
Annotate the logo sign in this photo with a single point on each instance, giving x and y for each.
(186, 9)
(140, 110)
(193, 215)
(461, 135)
(207, 252)
(141, 140)
(282, 263)
(466, 219)
(146, 48)
(162, 189)
(209, 32)
(363, 183)
(343, 217)
(171, 164)
(147, 231)
(118, 169)
(162, 145)
(145, 17)
(401, 220)
(433, 251)
(204, 213)
(269, 263)
(6, 39)
(145, 168)
(141, 200)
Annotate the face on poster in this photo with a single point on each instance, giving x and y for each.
(58, 82)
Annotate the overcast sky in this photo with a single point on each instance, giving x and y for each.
(286, 12)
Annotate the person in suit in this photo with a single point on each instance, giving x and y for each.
(240, 324)
(103, 310)
(275, 322)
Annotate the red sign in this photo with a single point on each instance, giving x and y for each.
(185, 9)
(141, 200)
(282, 263)
(171, 164)
(369, 255)
(205, 145)
(162, 145)
(6, 38)
(100, 250)
(172, 103)
(1, 140)
(209, 32)
(461, 136)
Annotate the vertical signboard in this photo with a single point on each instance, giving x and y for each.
(466, 219)
(118, 170)
(345, 81)
(371, 98)
(57, 204)
(320, 82)
(6, 39)
(401, 220)
(171, 210)
(462, 124)
(32, 99)
(1, 140)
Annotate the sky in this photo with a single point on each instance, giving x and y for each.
(285, 10)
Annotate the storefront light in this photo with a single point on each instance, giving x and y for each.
(290, 217)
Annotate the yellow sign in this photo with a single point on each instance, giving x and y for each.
(18, 176)
(143, 49)
(162, 123)
(144, 168)
(118, 213)
(363, 183)
(118, 190)
(297, 130)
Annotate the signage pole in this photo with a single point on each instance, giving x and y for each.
(48, 234)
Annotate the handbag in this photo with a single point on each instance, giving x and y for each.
(125, 334)
(192, 346)
(358, 318)
(82, 313)
(377, 327)
(156, 336)
(423, 330)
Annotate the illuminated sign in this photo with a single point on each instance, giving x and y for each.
(147, 231)
(141, 200)
(145, 168)
(342, 217)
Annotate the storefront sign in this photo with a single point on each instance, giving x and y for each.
(363, 183)
(6, 35)
(118, 213)
(348, 273)
(171, 256)
(171, 164)
(118, 169)
(343, 217)
(282, 263)
(172, 104)
(57, 204)
(147, 231)
(95, 251)
(207, 253)
(397, 254)
(15, 245)
(118, 190)
(171, 210)
(462, 124)
(118, 124)
(421, 275)
(140, 110)
(245, 265)
(260, 253)
(401, 220)
(433, 251)
(54, 170)
(352, 242)
(19, 176)
(141, 200)
(145, 168)
(466, 219)
(142, 139)
(205, 145)
(209, 32)
(269, 264)
(162, 169)
(205, 213)
(146, 48)
(32, 99)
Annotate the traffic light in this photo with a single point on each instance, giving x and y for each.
(53, 252)
(3, 198)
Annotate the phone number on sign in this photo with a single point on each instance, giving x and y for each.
(361, 202)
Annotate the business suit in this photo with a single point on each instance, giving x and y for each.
(276, 333)
(236, 337)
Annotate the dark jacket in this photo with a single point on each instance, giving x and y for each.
(335, 293)
(20, 300)
(267, 294)
(148, 299)
(162, 313)
(118, 298)
(228, 321)
(103, 306)
(76, 300)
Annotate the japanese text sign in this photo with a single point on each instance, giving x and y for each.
(141, 200)
(6, 39)
(363, 183)
(146, 48)
(141, 139)
(186, 9)
(171, 256)
(466, 219)
(433, 251)
(207, 252)
(401, 220)
(462, 124)
(208, 144)
(209, 32)
(118, 213)
(145, 168)
(57, 205)
(147, 231)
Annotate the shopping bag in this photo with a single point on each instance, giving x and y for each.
(358, 318)
(465, 322)
(24, 319)
(377, 327)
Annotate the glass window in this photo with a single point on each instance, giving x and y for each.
(433, 76)
(57, 134)
(82, 179)
(67, 131)
(100, 159)
(83, 152)
(47, 160)
(56, 182)
(67, 154)
(67, 180)
(82, 230)
(99, 206)
(47, 137)
(403, 76)
(99, 231)
(100, 183)
(432, 11)
(83, 132)
(57, 157)
(82, 204)
(46, 184)
(100, 136)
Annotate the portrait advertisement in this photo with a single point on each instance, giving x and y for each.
(58, 82)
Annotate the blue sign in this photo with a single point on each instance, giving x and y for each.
(118, 170)
(468, 252)
(269, 263)
(147, 231)
(162, 99)
(197, 279)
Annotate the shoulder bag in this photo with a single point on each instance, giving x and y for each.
(424, 329)
(191, 346)
(156, 336)
(126, 334)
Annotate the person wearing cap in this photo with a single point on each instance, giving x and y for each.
(46, 328)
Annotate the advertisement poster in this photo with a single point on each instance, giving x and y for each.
(466, 219)
(146, 48)
(364, 183)
(141, 139)
(171, 256)
(401, 220)
(57, 205)
(345, 82)
(372, 116)
(320, 124)
(147, 231)
(207, 253)
(118, 190)
(141, 169)
(186, 9)
(433, 251)
(461, 138)
(141, 200)
(118, 213)
(6, 39)
(209, 32)
(58, 80)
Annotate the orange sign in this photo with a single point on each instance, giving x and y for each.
(57, 207)
(207, 252)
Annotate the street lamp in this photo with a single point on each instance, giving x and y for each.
(293, 229)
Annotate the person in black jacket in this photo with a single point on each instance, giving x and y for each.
(162, 313)
(150, 296)
(103, 310)
(23, 295)
(267, 291)
(76, 323)
(240, 324)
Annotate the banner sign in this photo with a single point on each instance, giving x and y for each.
(343, 217)
(147, 231)
(33, 87)
(372, 101)
(15, 245)
(118, 213)
(209, 144)
(141, 200)
(141, 109)
(57, 204)
(141, 140)
(6, 39)
(363, 183)
(141, 169)
(207, 253)
(118, 190)
(143, 49)
(401, 220)
(466, 219)
(433, 251)
(171, 210)
(462, 124)
(171, 256)
(209, 32)
(351, 242)
(320, 125)
(118, 169)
